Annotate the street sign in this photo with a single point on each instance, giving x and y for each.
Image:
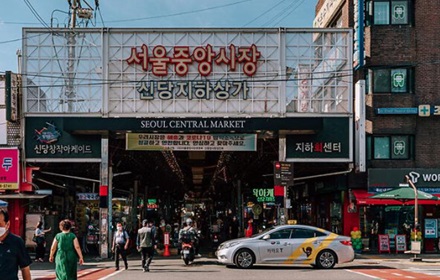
(283, 173)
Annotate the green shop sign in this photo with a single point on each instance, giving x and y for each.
(46, 139)
(264, 194)
(328, 144)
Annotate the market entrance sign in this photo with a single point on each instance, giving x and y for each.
(182, 56)
(191, 142)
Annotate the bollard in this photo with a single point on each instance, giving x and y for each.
(166, 243)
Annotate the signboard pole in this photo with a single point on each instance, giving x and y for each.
(103, 209)
(110, 205)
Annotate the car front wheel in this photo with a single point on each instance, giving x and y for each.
(326, 259)
(244, 258)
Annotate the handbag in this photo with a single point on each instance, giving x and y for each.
(34, 238)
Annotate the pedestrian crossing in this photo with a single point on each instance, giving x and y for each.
(425, 270)
(389, 273)
(40, 274)
(84, 274)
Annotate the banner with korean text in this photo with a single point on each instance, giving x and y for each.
(9, 168)
(191, 142)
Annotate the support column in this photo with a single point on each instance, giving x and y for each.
(103, 208)
(282, 157)
(110, 205)
(134, 211)
(240, 209)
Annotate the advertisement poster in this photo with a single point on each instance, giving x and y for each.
(400, 243)
(9, 168)
(384, 243)
(431, 228)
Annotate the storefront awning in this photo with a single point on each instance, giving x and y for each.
(363, 198)
(22, 196)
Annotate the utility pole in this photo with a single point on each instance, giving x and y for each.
(71, 42)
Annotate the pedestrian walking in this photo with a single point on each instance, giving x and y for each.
(13, 253)
(121, 239)
(41, 241)
(68, 253)
(146, 244)
(234, 225)
(250, 228)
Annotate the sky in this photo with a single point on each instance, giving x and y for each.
(148, 13)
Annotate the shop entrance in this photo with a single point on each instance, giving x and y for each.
(166, 187)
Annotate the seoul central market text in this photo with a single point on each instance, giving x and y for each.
(204, 124)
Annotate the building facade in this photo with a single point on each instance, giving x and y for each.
(172, 91)
(396, 57)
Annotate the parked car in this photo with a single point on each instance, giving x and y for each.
(288, 244)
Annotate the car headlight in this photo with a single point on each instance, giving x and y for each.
(230, 244)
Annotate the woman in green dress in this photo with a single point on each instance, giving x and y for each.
(66, 247)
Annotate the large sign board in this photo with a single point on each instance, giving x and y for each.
(188, 72)
(191, 142)
(383, 179)
(323, 145)
(47, 140)
(9, 168)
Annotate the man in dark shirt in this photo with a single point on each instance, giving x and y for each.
(13, 253)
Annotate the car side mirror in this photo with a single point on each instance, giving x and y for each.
(266, 237)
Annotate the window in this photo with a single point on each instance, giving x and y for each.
(386, 12)
(306, 233)
(390, 147)
(281, 234)
(394, 80)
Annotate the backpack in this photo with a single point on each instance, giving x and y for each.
(124, 236)
(187, 236)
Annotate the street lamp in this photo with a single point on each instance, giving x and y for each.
(416, 219)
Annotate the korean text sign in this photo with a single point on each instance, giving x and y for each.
(191, 142)
(9, 168)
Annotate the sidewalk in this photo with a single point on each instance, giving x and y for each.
(95, 262)
(429, 258)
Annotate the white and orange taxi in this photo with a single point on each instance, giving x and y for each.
(288, 244)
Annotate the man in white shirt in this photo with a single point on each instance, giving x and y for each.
(121, 240)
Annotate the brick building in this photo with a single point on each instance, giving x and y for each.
(396, 54)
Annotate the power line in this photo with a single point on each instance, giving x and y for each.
(279, 14)
(265, 12)
(100, 15)
(253, 80)
(293, 9)
(182, 13)
(35, 13)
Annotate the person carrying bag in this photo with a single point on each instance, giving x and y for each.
(40, 239)
(121, 240)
